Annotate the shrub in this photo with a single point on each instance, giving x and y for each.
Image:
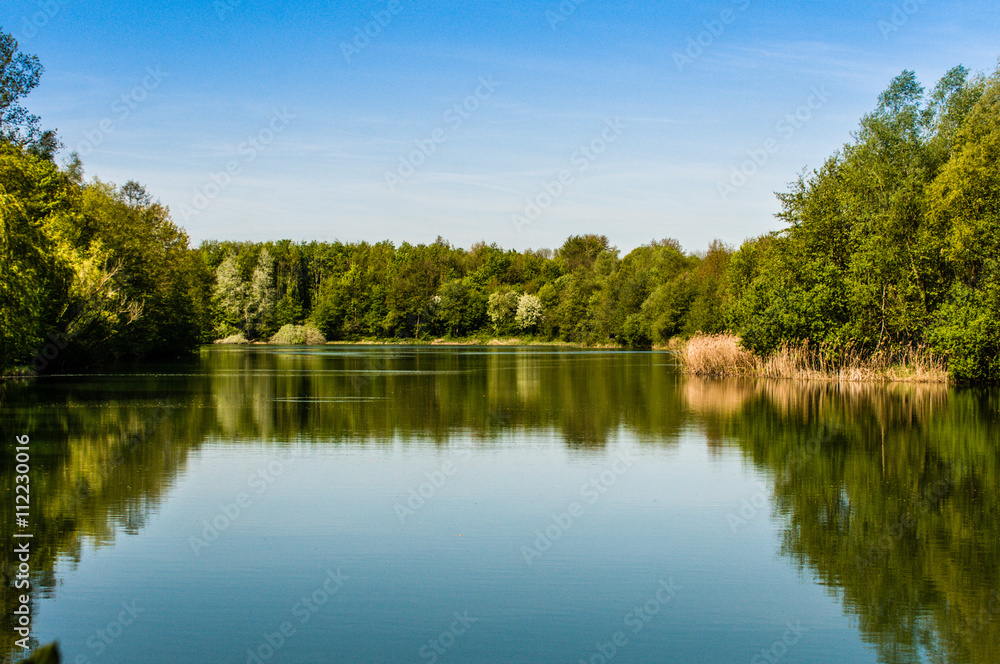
(297, 335)
(237, 338)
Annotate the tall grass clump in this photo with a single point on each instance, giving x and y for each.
(297, 335)
(717, 355)
(722, 355)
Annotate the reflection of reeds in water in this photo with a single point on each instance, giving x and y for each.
(720, 396)
(722, 355)
(889, 402)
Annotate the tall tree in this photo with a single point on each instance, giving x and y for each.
(19, 74)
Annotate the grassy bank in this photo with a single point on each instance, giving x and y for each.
(722, 355)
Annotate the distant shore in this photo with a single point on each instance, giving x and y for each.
(441, 341)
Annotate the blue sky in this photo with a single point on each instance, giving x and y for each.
(519, 123)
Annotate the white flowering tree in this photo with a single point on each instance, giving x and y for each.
(529, 313)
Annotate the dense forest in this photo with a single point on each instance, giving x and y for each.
(583, 292)
(892, 243)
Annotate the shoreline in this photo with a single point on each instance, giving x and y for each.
(471, 341)
(705, 356)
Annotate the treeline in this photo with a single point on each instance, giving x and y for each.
(584, 292)
(894, 243)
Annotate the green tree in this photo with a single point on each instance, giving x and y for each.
(461, 307)
(36, 273)
(871, 253)
(502, 308)
(229, 298)
(262, 297)
(19, 74)
(965, 212)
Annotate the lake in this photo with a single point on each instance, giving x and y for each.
(385, 504)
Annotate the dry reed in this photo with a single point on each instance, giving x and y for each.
(722, 355)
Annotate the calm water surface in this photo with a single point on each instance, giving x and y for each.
(543, 505)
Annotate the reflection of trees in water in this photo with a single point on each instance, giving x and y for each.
(433, 394)
(105, 450)
(895, 508)
(98, 466)
(895, 511)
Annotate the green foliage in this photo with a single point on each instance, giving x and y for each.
(19, 74)
(229, 297)
(635, 333)
(358, 291)
(892, 243)
(145, 292)
(90, 271)
(579, 252)
(297, 335)
(35, 201)
(102, 269)
(966, 329)
(461, 307)
(501, 308)
(705, 313)
(262, 299)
